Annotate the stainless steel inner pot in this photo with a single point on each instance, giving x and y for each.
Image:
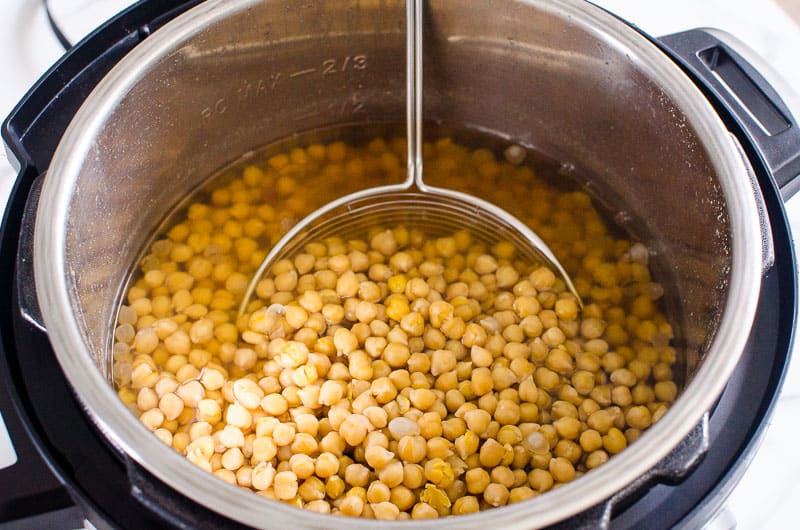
(562, 76)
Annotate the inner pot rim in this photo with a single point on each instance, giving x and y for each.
(128, 435)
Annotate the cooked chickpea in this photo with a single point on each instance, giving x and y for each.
(356, 475)
(391, 474)
(495, 494)
(412, 448)
(378, 457)
(352, 506)
(562, 469)
(465, 505)
(285, 485)
(423, 510)
(540, 480)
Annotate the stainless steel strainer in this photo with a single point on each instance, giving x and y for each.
(414, 204)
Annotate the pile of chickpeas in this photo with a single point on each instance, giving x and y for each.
(399, 375)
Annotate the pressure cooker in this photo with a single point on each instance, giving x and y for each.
(681, 136)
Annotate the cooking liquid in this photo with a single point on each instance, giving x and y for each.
(219, 235)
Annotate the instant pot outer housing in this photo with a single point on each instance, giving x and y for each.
(682, 138)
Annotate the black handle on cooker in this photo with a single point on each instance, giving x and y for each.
(35, 126)
(28, 303)
(31, 133)
(724, 68)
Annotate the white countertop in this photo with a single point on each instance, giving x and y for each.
(766, 495)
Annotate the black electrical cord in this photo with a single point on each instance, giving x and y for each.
(62, 39)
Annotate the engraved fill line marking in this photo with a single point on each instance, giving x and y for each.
(302, 72)
(307, 115)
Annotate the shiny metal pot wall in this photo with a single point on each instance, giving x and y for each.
(230, 76)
